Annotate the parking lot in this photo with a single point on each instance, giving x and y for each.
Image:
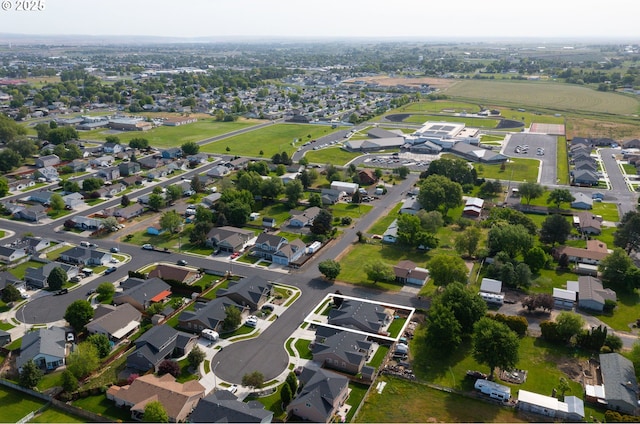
(413, 161)
(535, 146)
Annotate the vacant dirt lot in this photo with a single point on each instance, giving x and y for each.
(386, 81)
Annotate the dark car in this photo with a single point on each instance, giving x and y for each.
(63, 291)
(114, 250)
(182, 262)
(110, 270)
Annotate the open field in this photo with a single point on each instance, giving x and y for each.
(517, 169)
(270, 140)
(332, 155)
(470, 122)
(553, 96)
(15, 405)
(438, 106)
(597, 128)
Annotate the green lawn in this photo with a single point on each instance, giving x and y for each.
(174, 136)
(279, 211)
(15, 405)
(352, 210)
(547, 279)
(302, 346)
(272, 403)
(52, 415)
(99, 404)
(19, 270)
(396, 326)
(333, 155)
(437, 106)
(608, 211)
(562, 161)
(517, 169)
(625, 314)
(379, 356)
(383, 223)
(468, 121)
(5, 326)
(270, 140)
(629, 169)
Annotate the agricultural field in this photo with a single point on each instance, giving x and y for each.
(439, 106)
(553, 96)
(269, 140)
(163, 137)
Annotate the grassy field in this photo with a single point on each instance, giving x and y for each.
(270, 140)
(438, 106)
(352, 210)
(174, 136)
(15, 405)
(470, 122)
(517, 169)
(99, 404)
(332, 155)
(562, 161)
(554, 96)
(51, 415)
(383, 223)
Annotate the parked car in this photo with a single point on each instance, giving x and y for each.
(147, 246)
(182, 262)
(62, 291)
(90, 292)
(233, 388)
(76, 279)
(70, 337)
(252, 321)
(110, 270)
(114, 250)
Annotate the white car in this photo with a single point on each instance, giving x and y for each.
(233, 388)
(252, 321)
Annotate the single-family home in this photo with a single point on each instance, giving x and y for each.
(289, 253)
(407, 272)
(112, 148)
(128, 212)
(218, 171)
(33, 244)
(198, 158)
(128, 168)
(21, 184)
(304, 218)
(322, 395)
(150, 162)
(84, 256)
(367, 176)
(618, 390)
(159, 343)
(239, 163)
(571, 409)
(224, 406)
(178, 399)
(133, 180)
(473, 207)
(49, 160)
(10, 254)
(267, 244)
(585, 178)
(330, 196)
(360, 315)
(345, 187)
(171, 153)
(102, 161)
(73, 200)
(37, 277)
(587, 223)
(142, 293)
(33, 213)
(5, 338)
(209, 315)
(168, 272)
(595, 252)
(110, 173)
(251, 292)
(8, 279)
(115, 322)
(410, 206)
(78, 165)
(211, 199)
(592, 295)
(43, 197)
(45, 346)
(582, 201)
(564, 298)
(341, 350)
(229, 239)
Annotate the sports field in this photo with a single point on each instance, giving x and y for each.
(468, 121)
(269, 140)
(545, 95)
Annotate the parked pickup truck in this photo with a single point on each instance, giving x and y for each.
(152, 247)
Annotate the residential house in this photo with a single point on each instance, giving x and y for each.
(109, 191)
(174, 273)
(330, 196)
(218, 171)
(341, 350)
(21, 184)
(267, 244)
(224, 406)
(582, 201)
(595, 252)
(209, 315)
(33, 213)
(407, 272)
(46, 346)
(111, 173)
(585, 165)
(178, 399)
(78, 165)
(115, 322)
(37, 277)
(620, 384)
(149, 162)
(304, 218)
(8, 279)
(360, 315)
(239, 163)
(73, 200)
(159, 343)
(171, 153)
(391, 233)
(587, 223)
(268, 222)
(102, 161)
(585, 178)
(252, 292)
(410, 206)
(229, 239)
(210, 200)
(132, 181)
(592, 295)
(198, 158)
(289, 253)
(160, 172)
(367, 176)
(43, 197)
(473, 207)
(84, 256)
(128, 212)
(49, 173)
(9, 254)
(631, 144)
(49, 160)
(142, 293)
(129, 168)
(322, 395)
(571, 409)
(33, 244)
(112, 148)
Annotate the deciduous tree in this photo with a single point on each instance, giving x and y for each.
(253, 379)
(57, 277)
(329, 268)
(30, 375)
(559, 196)
(232, 319)
(555, 229)
(78, 314)
(495, 345)
(530, 191)
(445, 269)
(154, 412)
(378, 271)
(171, 221)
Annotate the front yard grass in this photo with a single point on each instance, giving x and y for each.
(624, 314)
(302, 346)
(352, 210)
(272, 403)
(383, 223)
(53, 415)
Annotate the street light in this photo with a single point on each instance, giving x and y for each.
(215, 379)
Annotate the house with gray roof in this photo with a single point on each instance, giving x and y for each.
(267, 245)
(322, 395)
(115, 322)
(128, 212)
(49, 160)
(359, 315)
(142, 293)
(49, 173)
(34, 244)
(86, 223)
(33, 213)
(8, 279)
(43, 197)
(620, 384)
(391, 233)
(37, 277)
(411, 206)
(582, 201)
(251, 292)
(73, 200)
(223, 406)
(229, 239)
(303, 218)
(128, 168)
(592, 295)
(159, 343)
(10, 254)
(209, 315)
(5, 338)
(289, 253)
(109, 174)
(46, 346)
(84, 256)
(585, 178)
(343, 351)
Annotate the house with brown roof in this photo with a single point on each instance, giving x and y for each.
(229, 239)
(175, 273)
(178, 399)
(367, 176)
(595, 252)
(115, 322)
(587, 223)
(407, 272)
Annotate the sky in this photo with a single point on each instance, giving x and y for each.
(328, 18)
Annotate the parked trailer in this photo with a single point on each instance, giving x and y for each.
(493, 390)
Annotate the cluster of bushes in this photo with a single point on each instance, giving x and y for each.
(616, 417)
(517, 324)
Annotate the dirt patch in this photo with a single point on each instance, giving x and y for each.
(399, 117)
(572, 368)
(386, 81)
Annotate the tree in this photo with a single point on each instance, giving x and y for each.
(83, 360)
(4, 187)
(305, 179)
(57, 277)
(285, 394)
(156, 202)
(402, 172)
(329, 268)
(112, 139)
(30, 375)
(171, 221)
(627, 236)
(69, 381)
(490, 189)
(294, 191)
(563, 387)
(530, 191)
(139, 143)
(444, 332)
(495, 345)
(92, 184)
(613, 342)
(154, 412)
(456, 170)
(10, 294)
(315, 200)
(110, 223)
(512, 239)
(322, 223)
(559, 196)
(555, 229)
(253, 380)
(190, 148)
(430, 221)
(173, 193)
(169, 367)
(501, 216)
(522, 275)
(102, 344)
(540, 300)
(195, 357)
(292, 382)
(271, 188)
(467, 306)
(56, 202)
(446, 269)
(615, 267)
(196, 184)
(378, 271)
(78, 314)
(536, 258)
(281, 170)
(105, 291)
(467, 242)
(232, 319)
(568, 324)
(9, 160)
(439, 193)
(125, 201)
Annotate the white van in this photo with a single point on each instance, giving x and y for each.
(85, 244)
(210, 334)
